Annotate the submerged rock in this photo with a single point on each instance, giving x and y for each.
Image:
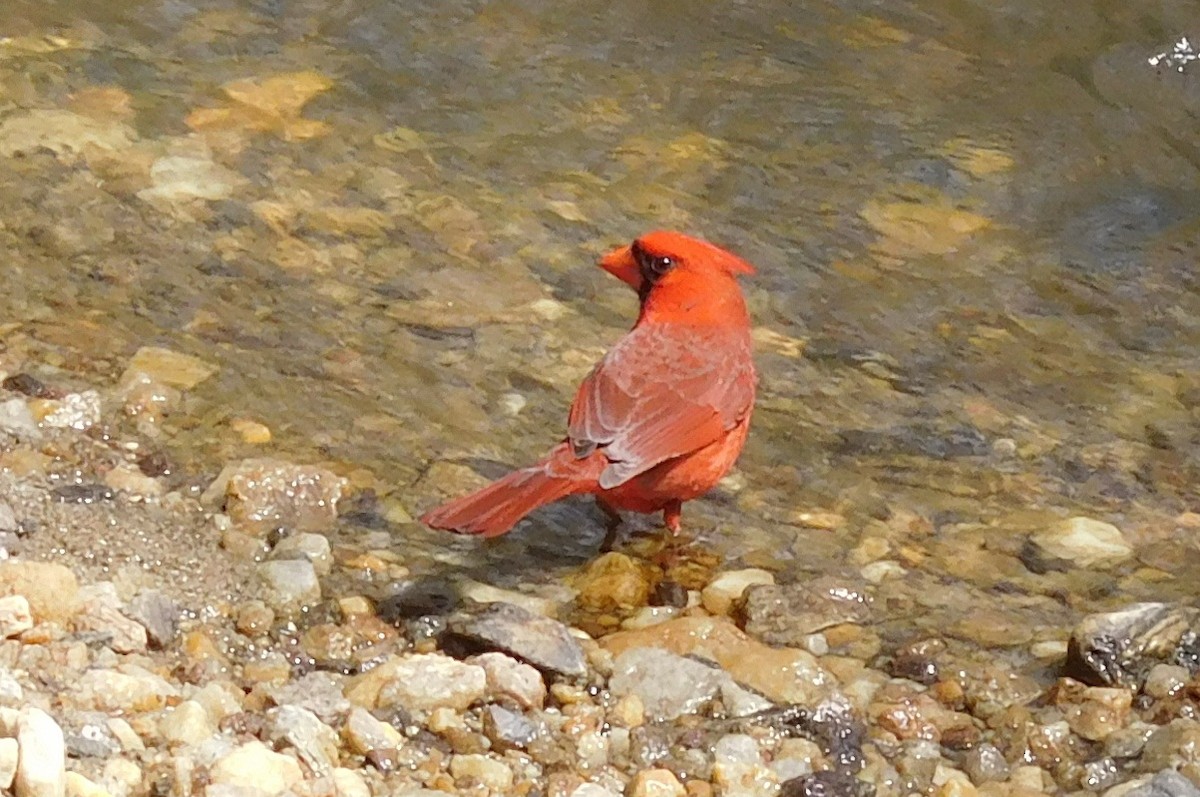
(789, 614)
(668, 685)
(1084, 542)
(265, 494)
(546, 644)
(1120, 648)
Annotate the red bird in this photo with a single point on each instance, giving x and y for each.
(663, 416)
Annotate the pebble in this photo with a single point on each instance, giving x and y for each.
(738, 767)
(509, 679)
(783, 675)
(265, 494)
(656, 783)
(158, 614)
(490, 773)
(132, 689)
(366, 734)
(102, 612)
(311, 547)
(721, 593)
(1085, 542)
(507, 729)
(15, 617)
(691, 685)
(984, 763)
(419, 683)
(545, 643)
(289, 585)
(51, 589)
(8, 761)
(41, 763)
(593, 790)
(187, 724)
(79, 411)
(79, 786)
(314, 741)
(17, 419)
(255, 767)
(1167, 783)
(613, 582)
(790, 614)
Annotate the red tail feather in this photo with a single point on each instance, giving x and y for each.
(498, 507)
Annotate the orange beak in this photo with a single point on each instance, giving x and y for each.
(620, 264)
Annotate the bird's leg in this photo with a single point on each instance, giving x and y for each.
(673, 517)
(612, 525)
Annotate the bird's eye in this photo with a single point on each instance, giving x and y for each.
(661, 265)
(652, 267)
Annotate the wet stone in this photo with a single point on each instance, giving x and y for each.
(158, 614)
(656, 783)
(512, 680)
(290, 584)
(1084, 542)
(266, 494)
(311, 547)
(985, 763)
(546, 644)
(668, 685)
(789, 614)
(417, 598)
(1121, 648)
(315, 742)
(318, 692)
(507, 729)
(727, 587)
(1167, 783)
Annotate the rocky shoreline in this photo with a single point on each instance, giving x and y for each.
(173, 640)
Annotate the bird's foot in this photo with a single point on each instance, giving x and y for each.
(673, 517)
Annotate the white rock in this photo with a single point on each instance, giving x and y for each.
(17, 419)
(8, 762)
(592, 790)
(41, 761)
(1085, 542)
(102, 612)
(15, 617)
(738, 768)
(493, 774)
(289, 584)
(512, 679)
(312, 547)
(180, 178)
(727, 587)
(77, 411)
(314, 741)
(424, 682)
(365, 733)
(80, 786)
(254, 766)
(131, 688)
(187, 724)
(348, 783)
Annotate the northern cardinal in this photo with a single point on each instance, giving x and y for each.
(663, 416)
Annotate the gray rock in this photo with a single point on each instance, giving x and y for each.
(8, 519)
(985, 763)
(319, 692)
(668, 685)
(158, 614)
(546, 644)
(314, 741)
(289, 584)
(1167, 783)
(102, 612)
(787, 614)
(91, 739)
(507, 729)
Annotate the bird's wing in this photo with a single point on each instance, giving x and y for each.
(662, 392)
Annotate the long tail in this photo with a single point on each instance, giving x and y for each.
(496, 508)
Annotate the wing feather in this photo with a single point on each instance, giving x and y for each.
(658, 395)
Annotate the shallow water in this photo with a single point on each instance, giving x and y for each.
(975, 223)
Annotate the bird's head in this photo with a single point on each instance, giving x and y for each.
(659, 260)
